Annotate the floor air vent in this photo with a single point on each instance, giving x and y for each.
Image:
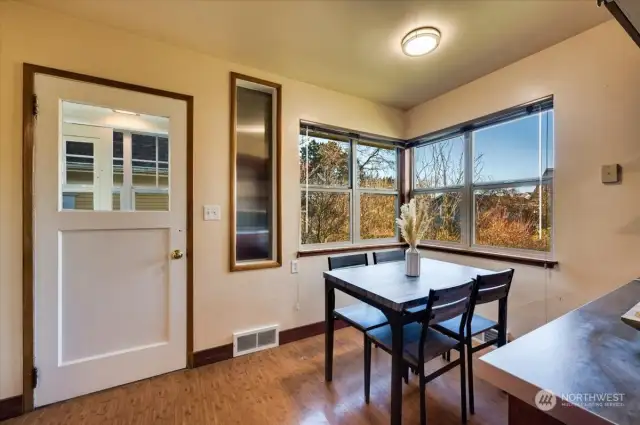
(255, 340)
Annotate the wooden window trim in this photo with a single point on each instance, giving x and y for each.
(234, 265)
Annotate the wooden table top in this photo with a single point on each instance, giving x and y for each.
(587, 351)
(387, 285)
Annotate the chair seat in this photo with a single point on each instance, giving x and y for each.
(479, 324)
(435, 343)
(361, 316)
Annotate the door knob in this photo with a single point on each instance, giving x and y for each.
(176, 254)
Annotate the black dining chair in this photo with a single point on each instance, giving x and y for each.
(490, 288)
(388, 256)
(361, 316)
(423, 343)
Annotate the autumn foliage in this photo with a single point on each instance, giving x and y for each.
(517, 217)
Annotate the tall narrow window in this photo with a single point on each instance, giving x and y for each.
(326, 181)
(255, 174)
(378, 190)
(438, 182)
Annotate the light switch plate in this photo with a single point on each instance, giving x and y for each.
(294, 266)
(211, 212)
(610, 173)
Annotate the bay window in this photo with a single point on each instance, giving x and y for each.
(487, 184)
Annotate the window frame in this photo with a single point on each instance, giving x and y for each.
(445, 189)
(274, 230)
(355, 191)
(104, 171)
(468, 189)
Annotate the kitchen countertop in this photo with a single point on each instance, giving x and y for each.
(588, 356)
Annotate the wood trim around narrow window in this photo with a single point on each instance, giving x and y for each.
(276, 261)
(29, 112)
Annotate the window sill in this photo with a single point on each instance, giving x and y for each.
(529, 261)
(353, 248)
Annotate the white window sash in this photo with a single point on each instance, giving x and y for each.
(467, 204)
(354, 191)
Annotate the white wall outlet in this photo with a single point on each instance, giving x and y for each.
(211, 212)
(294, 266)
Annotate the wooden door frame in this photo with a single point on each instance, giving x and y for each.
(28, 130)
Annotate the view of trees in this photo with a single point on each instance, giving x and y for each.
(326, 202)
(511, 216)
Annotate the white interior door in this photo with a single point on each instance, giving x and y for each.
(110, 209)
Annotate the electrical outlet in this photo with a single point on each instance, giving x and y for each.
(211, 212)
(294, 266)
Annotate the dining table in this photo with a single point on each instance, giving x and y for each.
(387, 287)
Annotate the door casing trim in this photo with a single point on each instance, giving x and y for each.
(28, 123)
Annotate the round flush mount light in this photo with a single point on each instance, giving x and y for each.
(420, 41)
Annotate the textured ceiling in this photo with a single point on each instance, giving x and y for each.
(353, 46)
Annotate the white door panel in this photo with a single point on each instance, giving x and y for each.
(110, 304)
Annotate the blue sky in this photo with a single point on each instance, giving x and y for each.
(510, 151)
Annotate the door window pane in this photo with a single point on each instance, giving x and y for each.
(324, 161)
(517, 217)
(118, 172)
(440, 164)
(108, 165)
(79, 170)
(376, 167)
(163, 149)
(115, 201)
(325, 217)
(444, 209)
(117, 144)
(143, 147)
(77, 200)
(377, 216)
(157, 201)
(79, 148)
(143, 174)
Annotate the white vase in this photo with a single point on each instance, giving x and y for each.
(412, 262)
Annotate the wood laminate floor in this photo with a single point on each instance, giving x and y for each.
(283, 386)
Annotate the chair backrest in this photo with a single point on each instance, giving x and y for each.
(352, 260)
(493, 287)
(388, 256)
(447, 303)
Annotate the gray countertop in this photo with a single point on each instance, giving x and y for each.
(588, 355)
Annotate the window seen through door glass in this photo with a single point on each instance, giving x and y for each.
(113, 168)
(118, 169)
(150, 172)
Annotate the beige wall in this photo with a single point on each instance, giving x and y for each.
(224, 302)
(595, 78)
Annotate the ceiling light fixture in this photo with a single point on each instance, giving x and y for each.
(420, 41)
(120, 111)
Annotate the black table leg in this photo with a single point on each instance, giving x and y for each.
(397, 367)
(329, 306)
